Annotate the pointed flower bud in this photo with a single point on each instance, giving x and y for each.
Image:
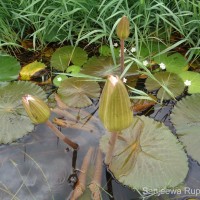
(37, 109)
(123, 28)
(115, 106)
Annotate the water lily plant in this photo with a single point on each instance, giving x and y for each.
(39, 112)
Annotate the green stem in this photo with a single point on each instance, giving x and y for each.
(61, 135)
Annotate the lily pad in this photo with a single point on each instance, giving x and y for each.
(76, 92)
(63, 56)
(150, 49)
(74, 69)
(59, 79)
(29, 70)
(149, 156)
(185, 117)
(100, 67)
(105, 50)
(14, 121)
(9, 68)
(175, 63)
(165, 79)
(194, 81)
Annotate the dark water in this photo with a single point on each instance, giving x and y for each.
(38, 166)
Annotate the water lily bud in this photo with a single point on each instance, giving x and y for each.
(37, 109)
(115, 106)
(123, 28)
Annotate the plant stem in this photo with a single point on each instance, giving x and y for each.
(122, 55)
(111, 147)
(61, 135)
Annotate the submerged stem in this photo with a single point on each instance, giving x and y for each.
(111, 147)
(61, 135)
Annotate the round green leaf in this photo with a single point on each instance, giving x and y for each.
(150, 49)
(74, 69)
(62, 57)
(105, 50)
(14, 121)
(149, 156)
(58, 79)
(194, 80)
(175, 63)
(185, 117)
(9, 68)
(76, 92)
(169, 85)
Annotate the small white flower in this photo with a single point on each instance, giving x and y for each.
(162, 66)
(59, 79)
(187, 83)
(133, 49)
(124, 80)
(145, 63)
(115, 44)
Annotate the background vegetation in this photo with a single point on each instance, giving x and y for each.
(42, 21)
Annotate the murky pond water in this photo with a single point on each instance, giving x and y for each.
(38, 166)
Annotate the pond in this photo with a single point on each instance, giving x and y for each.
(40, 167)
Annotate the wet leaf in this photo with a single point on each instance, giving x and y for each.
(150, 156)
(185, 117)
(175, 63)
(59, 79)
(76, 92)
(14, 121)
(63, 56)
(140, 105)
(29, 70)
(194, 79)
(105, 50)
(100, 67)
(148, 50)
(9, 68)
(172, 81)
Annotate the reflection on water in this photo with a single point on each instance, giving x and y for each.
(39, 167)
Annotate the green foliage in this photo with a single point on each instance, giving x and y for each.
(14, 121)
(63, 56)
(169, 85)
(194, 81)
(9, 68)
(76, 92)
(175, 63)
(185, 117)
(148, 156)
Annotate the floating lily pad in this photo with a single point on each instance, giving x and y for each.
(165, 79)
(194, 81)
(150, 157)
(175, 63)
(9, 68)
(74, 69)
(59, 79)
(14, 121)
(185, 117)
(76, 92)
(62, 57)
(150, 49)
(100, 67)
(31, 69)
(105, 50)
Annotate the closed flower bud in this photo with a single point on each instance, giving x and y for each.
(115, 106)
(37, 109)
(123, 28)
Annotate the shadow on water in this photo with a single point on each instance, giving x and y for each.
(40, 167)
